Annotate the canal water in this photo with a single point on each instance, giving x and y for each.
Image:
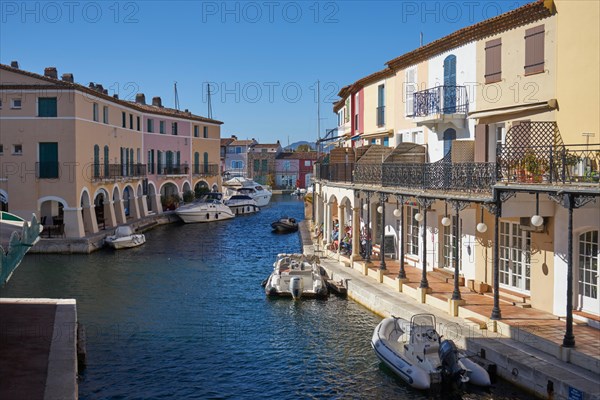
(185, 316)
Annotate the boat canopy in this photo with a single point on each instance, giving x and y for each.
(123, 231)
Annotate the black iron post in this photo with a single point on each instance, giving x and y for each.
(401, 272)
(569, 338)
(424, 203)
(383, 198)
(496, 314)
(368, 239)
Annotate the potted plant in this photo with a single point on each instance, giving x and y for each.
(535, 166)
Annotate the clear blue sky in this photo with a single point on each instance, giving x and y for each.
(264, 57)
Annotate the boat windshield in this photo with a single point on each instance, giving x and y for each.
(212, 197)
(423, 320)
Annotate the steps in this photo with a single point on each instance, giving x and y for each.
(514, 298)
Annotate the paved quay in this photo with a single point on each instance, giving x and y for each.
(525, 345)
(38, 349)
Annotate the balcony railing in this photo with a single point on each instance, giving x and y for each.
(563, 164)
(175, 169)
(381, 116)
(441, 100)
(443, 176)
(102, 171)
(206, 169)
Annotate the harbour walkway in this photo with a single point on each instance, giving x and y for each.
(526, 344)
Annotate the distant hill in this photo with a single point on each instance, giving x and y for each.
(295, 145)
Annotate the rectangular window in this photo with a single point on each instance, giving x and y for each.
(105, 114)
(130, 121)
(412, 231)
(1, 149)
(411, 88)
(493, 57)
(95, 115)
(534, 50)
(448, 250)
(307, 163)
(46, 107)
(161, 127)
(264, 150)
(17, 149)
(347, 113)
(196, 131)
(0, 104)
(150, 125)
(15, 104)
(238, 150)
(205, 131)
(256, 165)
(124, 119)
(265, 165)
(138, 123)
(48, 160)
(174, 128)
(381, 105)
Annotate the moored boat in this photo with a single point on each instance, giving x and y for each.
(124, 238)
(242, 204)
(248, 187)
(416, 353)
(297, 276)
(208, 208)
(285, 224)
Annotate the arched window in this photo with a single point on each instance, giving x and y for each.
(131, 173)
(588, 282)
(196, 163)
(450, 84)
(96, 161)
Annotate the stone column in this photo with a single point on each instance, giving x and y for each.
(156, 204)
(355, 233)
(143, 204)
(73, 222)
(90, 225)
(342, 230)
(328, 223)
(110, 219)
(134, 204)
(120, 211)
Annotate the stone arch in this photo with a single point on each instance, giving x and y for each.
(52, 214)
(129, 201)
(90, 225)
(3, 200)
(169, 193)
(215, 187)
(200, 187)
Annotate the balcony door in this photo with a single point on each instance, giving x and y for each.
(515, 257)
(588, 274)
(450, 84)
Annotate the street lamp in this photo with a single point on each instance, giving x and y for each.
(481, 226)
(446, 221)
(537, 220)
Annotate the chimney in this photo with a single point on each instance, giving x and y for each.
(92, 85)
(105, 91)
(100, 88)
(67, 77)
(156, 101)
(234, 137)
(116, 96)
(140, 98)
(51, 72)
(14, 64)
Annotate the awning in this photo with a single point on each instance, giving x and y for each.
(544, 105)
(373, 135)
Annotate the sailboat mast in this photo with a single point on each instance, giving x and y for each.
(176, 97)
(209, 102)
(318, 115)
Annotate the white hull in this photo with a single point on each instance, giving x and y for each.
(125, 242)
(296, 276)
(250, 188)
(244, 209)
(205, 215)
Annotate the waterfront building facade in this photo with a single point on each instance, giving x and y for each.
(490, 172)
(294, 169)
(236, 157)
(83, 160)
(261, 162)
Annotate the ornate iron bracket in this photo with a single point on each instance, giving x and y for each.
(459, 205)
(504, 196)
(383, 197)
(491, 207)
(425, 202)
(571, 199)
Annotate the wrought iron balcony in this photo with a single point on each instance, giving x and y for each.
(200, 170)
(175, 169)
(441, 175)
(554, 164)
(440, 100)
(102, 172)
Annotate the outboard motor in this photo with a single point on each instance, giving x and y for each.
(296, 287)
(449, 357)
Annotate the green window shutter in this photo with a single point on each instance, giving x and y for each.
(106, 161)
(47, 107)
(256, 165)
(96, 161)
(48, 160)
(265, 165)
(205, 162)
(196, 163)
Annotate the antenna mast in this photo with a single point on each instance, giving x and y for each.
(176, 98)
(209, 102)
(318, 116)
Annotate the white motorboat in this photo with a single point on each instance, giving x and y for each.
(416, 353)
(242, 204)
(209, 207)
(124, 238)
(243, 186)
(297, 276)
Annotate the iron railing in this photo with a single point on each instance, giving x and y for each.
(175, 169)
(578, 163)
(205, 169)
(443, 176)
(101, 171)
(441, 100)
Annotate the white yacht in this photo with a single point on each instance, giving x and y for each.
(243, 186)
(416, 353)
(297, 276)
(242, 204)
(209, 207)
(124, 238)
